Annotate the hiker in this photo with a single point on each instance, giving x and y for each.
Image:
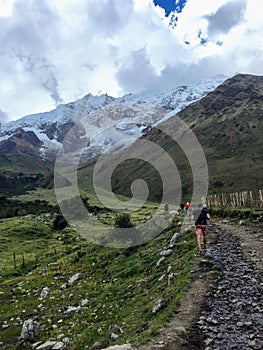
(182, 206)
(188, 208)
(201, 215)
(165, 206)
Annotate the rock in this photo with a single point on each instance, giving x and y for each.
(159, 304)
(174, 239)
(160, 261)
(58, 346)
(47, 345)
(180, 330)
(74, 309)
(45, 292)
(96, 346)
(120, 347)
(74, 278)
(166, 252)
(114, 332)
(30, 329)
(66, 340)
(171, 277)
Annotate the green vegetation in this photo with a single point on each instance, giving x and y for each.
(117, 286)
(123, 220)
(250, 215)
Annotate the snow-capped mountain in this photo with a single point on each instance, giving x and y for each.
(98, 124)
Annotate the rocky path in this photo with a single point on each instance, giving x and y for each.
(228, 316)
(233, 314)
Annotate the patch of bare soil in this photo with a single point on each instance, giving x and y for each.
(181, 334)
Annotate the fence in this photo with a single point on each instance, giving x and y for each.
(237, 199)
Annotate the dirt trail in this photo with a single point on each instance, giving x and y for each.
(227, 314)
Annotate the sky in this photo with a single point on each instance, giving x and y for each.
(54, 51)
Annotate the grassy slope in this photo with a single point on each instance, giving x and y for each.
(20, 173)
(121, 285)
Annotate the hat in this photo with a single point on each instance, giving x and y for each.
(204, 205)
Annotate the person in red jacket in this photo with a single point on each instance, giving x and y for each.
(188, 208)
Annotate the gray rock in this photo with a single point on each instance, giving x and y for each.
(47, 345)
(120, 347)
(174, 239)
(58, 346)
(166, 252)
(159, 304)
(75, 278)
(30, 329)
(44, 293)
(160, 261)
(96, 346)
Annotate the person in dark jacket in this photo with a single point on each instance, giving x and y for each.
(201, 215)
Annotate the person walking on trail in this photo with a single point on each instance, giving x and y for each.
(201, 215)
(166, 206)
(182, 206)
(188, 208)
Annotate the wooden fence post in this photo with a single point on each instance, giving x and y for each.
(252, 198)
(14, 255)
(23, 260)
(36, 261)
(260, 199)
(1, 268)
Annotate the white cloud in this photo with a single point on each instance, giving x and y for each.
(53, 50)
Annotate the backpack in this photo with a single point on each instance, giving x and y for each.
(201, 220)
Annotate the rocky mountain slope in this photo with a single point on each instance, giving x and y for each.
(102, 121)
(228, 125)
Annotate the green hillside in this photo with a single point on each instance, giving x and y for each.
(228, 124)
(114, 286)
(20, 173)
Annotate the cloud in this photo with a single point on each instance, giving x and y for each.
(226, 17)
(54, 51)
(3, 117)
(130, 76)
(44, 72)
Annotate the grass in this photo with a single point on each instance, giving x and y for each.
(121, 285)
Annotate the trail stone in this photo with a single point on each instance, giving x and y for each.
(44, 293)
(59, 345)
(74, 278)
(166, 252)
(30, 329)
(160, 261)
(48, 344)
(120, 347)
(159, 304)
(96, 346)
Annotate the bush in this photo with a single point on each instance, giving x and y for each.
(123, 220)
(59, 222)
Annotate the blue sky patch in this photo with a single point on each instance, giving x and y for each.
(170, 5)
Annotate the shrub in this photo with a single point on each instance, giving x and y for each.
(123, 220)
(59, 222)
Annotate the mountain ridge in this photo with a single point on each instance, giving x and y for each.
(116, 119)
(228, 125)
